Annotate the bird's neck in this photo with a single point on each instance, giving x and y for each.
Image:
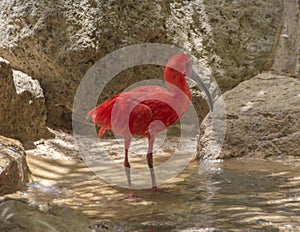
(181, 93)
(177, 84)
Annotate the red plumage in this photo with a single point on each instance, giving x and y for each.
(133, 112)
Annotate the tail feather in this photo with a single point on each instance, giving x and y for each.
(90, 116)
(101, 115)
(101, 132)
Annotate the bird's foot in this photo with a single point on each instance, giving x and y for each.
(131, 195)
(154, 189)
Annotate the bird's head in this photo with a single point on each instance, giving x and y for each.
(179, 67)
(181, 63)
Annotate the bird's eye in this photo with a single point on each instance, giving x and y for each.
(188, 66)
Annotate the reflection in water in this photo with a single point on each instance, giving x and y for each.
(230, 195)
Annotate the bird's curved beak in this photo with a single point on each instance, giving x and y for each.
(195, 77)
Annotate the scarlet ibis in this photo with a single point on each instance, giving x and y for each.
(144, 106)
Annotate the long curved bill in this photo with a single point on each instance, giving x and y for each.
(195, 77)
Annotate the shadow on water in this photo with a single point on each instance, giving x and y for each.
(227, 196)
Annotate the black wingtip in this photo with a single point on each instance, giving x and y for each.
(89, 118)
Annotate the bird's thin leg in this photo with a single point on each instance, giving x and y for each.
(150, 162)
(127, 165)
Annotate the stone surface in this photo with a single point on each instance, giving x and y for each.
(14, 172)
(18, 215)
(288, 41)
(263, 113)
(57, 41)
(235, 38)
(262, 119)
(22, 106)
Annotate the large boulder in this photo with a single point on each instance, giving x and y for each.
(56, 42)
(22, 106)
(19, 215)
(14, 172)
(262, 119)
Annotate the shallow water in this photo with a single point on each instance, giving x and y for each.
(234, 195)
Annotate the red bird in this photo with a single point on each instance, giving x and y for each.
(137, 111)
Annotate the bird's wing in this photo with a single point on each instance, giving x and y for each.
(160, 102)
(131, 112)
(139, 119)
(123, 114)
(149, 91)
(101, 115)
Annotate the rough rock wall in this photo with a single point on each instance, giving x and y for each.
(235, 38)
(263, 113)
(22, 106)
(57, 41)
(286, 58)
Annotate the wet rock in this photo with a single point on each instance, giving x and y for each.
(262, 119)
(107, 226)
(14, 172)
(22, 106)
(18, 215)
(56, 42)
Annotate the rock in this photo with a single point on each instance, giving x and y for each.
(19, 215)
(56, 42)
(262, 119)
(22, 106)
(288, 44)
(235, 39)
(14, 172)
(108, 226)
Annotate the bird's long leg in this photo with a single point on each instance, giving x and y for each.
(150, 162)
(127, 165)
